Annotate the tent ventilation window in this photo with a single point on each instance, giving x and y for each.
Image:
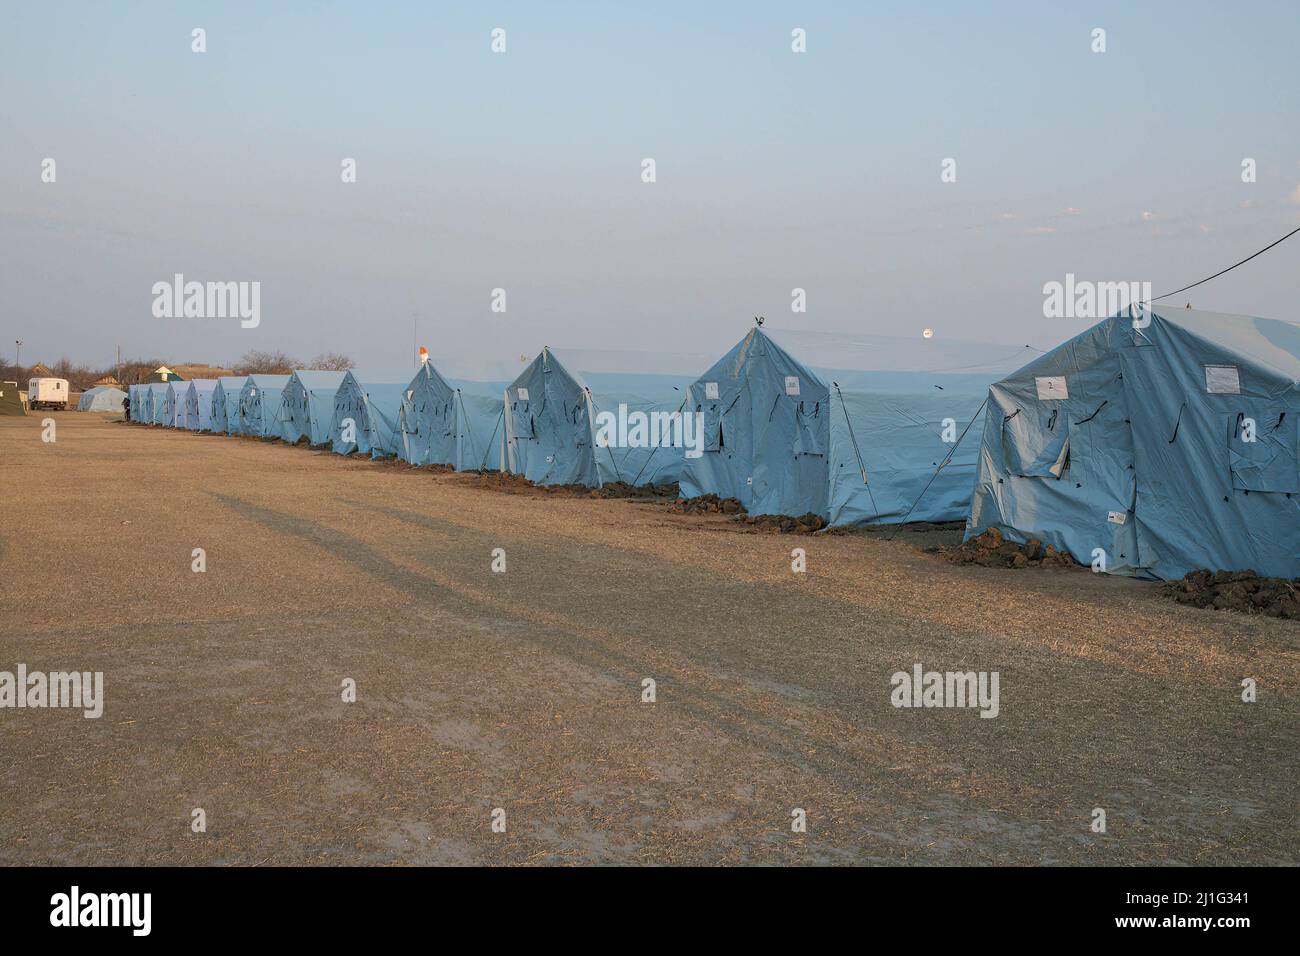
(1264, 450)
(1036, 448)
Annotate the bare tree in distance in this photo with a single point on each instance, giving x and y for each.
(135, 371)
(266, 363)
(331, 362)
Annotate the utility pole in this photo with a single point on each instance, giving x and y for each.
(18, 354)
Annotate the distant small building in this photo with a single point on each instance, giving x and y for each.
(162, 374)
(108, 381)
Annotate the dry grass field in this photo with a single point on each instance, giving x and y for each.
(522, 691)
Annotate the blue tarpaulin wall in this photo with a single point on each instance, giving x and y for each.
(900, 442)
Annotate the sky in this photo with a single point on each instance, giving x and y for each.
(523, 170)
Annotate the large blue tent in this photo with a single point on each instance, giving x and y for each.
(174, 404)
(443, 424)
(225, 403)
(548, 420)
(259, 405)
(101, 398)
(155, 401)
(766, 420)
(307, 407)
(561, 430)
(1159, 442)
(367, 412)
(198, 404)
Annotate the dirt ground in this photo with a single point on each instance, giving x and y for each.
(522, 690)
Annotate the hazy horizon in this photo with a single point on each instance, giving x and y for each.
(522, 170)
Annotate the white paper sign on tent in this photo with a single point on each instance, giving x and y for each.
(792, 384)
(522, 394)
(711, 390)
(1051, 388)
(1222, 380)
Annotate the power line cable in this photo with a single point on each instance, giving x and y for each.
(1230, 268)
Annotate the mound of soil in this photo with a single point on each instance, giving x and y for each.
(1243, 591)
(621, 489)
(518, 484)
(992, 550)
(784, 524)
(707, 504)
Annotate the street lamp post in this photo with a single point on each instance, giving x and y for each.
(18, 353)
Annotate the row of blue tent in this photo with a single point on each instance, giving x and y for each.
(1130, 437)
(416, 416)
(758, 426)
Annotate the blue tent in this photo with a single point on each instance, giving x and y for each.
(259, 405)
(1161, 442)
(139, 411)
(174, 404)
(442, 425)
(562, 431)
(766, 420)
(101, 398)
(225, 403)
(198, 404)
(367, 410)
(155, 400)
(307, 408)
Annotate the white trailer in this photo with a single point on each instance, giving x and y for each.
(48, 393)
